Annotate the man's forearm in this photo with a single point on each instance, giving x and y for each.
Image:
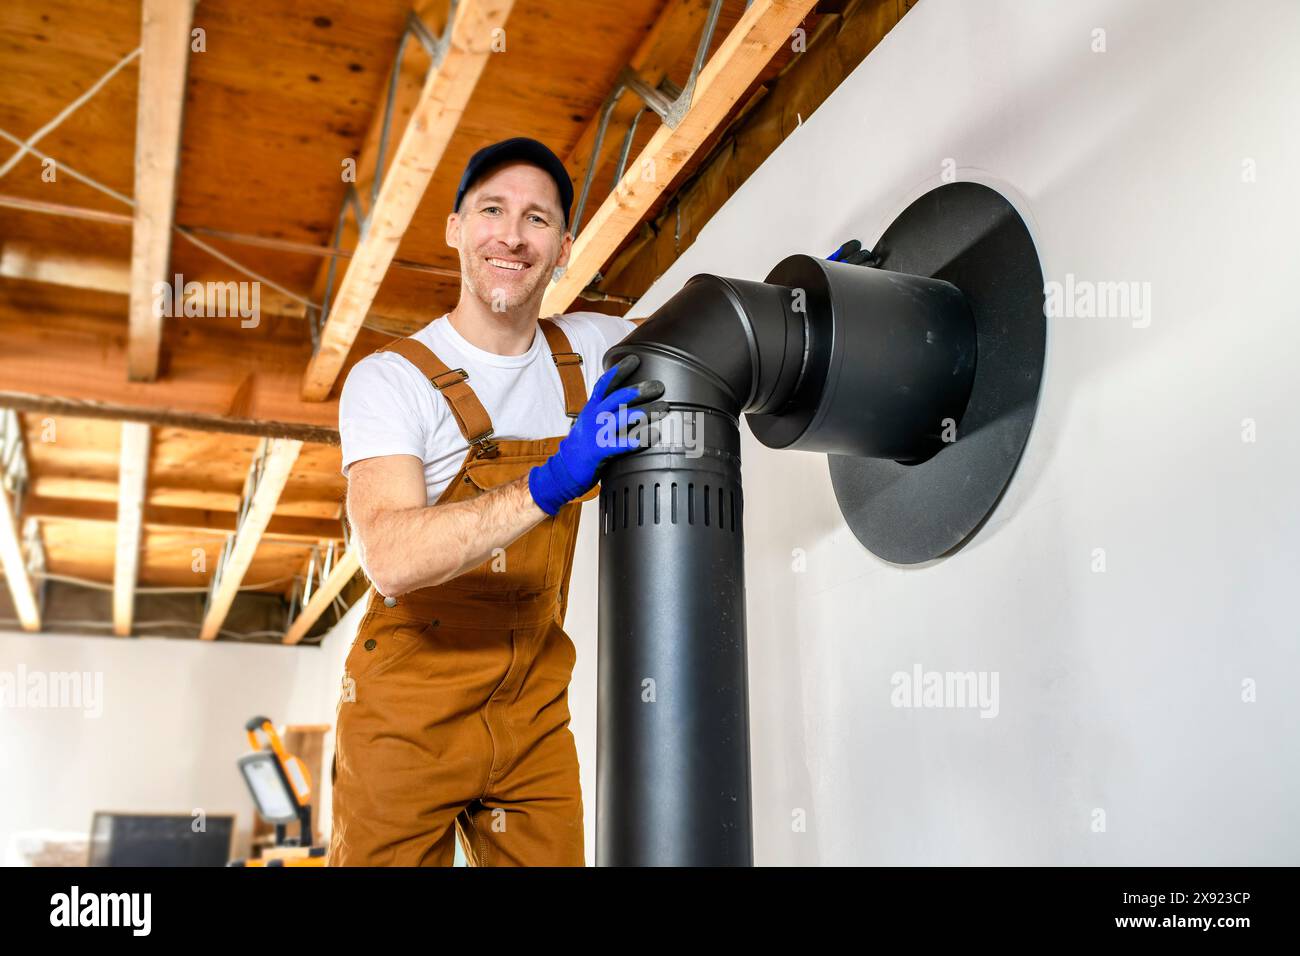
(423, 547)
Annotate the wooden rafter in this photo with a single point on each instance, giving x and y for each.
(287, 528)
(25, 204)
(344, 568)
(677, 28)
(434, 119)
(23, 260)
(280, 457)
(724, 79)
(164, 59)
(17, 576)
(75, 364)
(133, 469)
(406, 97)
(835, 48)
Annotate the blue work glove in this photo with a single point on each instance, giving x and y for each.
(571, 471)
(853, 253)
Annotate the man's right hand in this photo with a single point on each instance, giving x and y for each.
(572, 471)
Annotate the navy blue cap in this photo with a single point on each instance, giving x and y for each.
(518, 148)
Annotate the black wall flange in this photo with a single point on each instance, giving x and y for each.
(968, 235)
(879, 367)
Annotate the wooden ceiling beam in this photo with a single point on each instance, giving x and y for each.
(836, 47)
(734, 66)
(75, 364)
(164, 60)
(12, 558)
(168, 519)
(133, 470)
(15, 566)
(23, 260)
(678, 28)
(280, 455)
(26, 204)
(23, 204)
(405, 98)
(434, 119)
(342, 572)
(163, 415)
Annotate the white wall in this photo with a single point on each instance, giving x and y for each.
(1121, 690)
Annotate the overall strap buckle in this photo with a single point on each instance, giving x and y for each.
(460, 373)
(487, 448)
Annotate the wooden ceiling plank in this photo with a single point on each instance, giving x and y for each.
(133, 471)
(164, 60)
(280, 457)
(437, 113)
(344, 568)
(737, 62)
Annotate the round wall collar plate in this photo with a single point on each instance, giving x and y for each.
(969, 235)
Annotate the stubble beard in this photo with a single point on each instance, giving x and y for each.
(498, 297)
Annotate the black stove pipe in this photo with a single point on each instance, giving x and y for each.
(823, 357)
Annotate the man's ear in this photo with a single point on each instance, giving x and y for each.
(453, 230)
(566, 245)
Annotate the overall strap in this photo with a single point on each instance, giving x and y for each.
(569, 364)
(472, 418)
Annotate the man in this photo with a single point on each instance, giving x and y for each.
(467, 448)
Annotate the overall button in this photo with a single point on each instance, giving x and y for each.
(390, 602)
(370, 644)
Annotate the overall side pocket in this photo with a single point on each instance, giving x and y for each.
(383, 641)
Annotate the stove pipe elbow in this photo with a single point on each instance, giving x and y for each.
(822, 356)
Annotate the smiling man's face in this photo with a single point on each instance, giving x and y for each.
(510, 234)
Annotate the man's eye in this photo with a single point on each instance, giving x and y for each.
(539, 219)
(491, 208)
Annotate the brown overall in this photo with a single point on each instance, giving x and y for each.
(455, 697)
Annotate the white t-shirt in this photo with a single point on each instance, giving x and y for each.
(388, 407)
